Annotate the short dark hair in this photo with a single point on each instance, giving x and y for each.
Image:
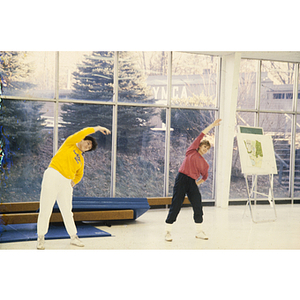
(94, 143)
(205, 142)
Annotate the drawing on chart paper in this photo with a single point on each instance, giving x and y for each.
(255, 152)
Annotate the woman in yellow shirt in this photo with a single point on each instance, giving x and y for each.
(64, 172)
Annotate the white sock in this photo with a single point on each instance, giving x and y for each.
(198, 227)
(168, 227)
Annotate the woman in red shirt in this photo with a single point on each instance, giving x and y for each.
(186, 183)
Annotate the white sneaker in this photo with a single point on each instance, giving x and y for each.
(168, 237)
(201, 235)
(40, 243)
(76, 241)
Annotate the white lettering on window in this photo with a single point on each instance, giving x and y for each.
(155, 91)
(175, 91)
(183, 93)
(163, 93)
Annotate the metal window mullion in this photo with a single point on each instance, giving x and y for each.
(257, 109)
(257, 93)
(168, 127)
(56, 97)
(114, 127)
(293, 135)
(111, 103)
(21, 98)
(265, 111)
(218, 92)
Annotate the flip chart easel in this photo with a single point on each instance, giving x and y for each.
(257, 158)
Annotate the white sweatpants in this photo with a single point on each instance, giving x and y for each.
(55, 187)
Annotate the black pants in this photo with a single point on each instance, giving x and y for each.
(185, 185)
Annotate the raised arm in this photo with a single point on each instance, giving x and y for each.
(211, 126)
(103, 130)
(205, 131)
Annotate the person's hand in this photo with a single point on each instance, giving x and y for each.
(216, 122)
(211, 126)
(72, 183)
(199, 181)
(103, 130)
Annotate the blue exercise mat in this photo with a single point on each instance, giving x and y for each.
(27, 232)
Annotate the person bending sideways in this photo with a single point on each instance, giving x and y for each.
(64, 172)
(193, 167)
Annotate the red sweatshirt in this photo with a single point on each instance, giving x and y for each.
(194, 164)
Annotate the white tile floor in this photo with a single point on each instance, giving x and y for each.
(180, 274)
(227, 229)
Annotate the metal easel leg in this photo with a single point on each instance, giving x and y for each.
(270, 197)
(271, 178)
(249, 197)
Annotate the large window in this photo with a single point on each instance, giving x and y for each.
(155, 111)
(74, 80)
(266, 99)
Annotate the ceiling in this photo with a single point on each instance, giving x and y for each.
(284, 56)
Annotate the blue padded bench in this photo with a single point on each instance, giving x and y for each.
(84, 209)
(138, 205)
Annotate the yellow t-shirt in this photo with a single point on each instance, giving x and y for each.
(68, 160)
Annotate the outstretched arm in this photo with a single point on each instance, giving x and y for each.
(211, 126)
(103, 130)
(205, 131)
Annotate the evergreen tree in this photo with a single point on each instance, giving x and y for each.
(94, 81)
(13, 68)
(94, 77)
